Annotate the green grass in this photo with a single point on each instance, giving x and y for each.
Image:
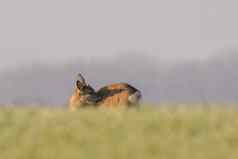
(163, 133)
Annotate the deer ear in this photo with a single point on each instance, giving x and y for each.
(79, 84)
(81, 79)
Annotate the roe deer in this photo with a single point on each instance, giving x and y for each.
(113, 95)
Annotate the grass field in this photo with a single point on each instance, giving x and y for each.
(159, 133)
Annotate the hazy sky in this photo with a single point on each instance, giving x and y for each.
(47, 30)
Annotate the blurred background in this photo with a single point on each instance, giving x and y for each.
(173, 51)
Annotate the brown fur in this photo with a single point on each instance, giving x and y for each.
(117, 100)
(76, 100)
(115, 95)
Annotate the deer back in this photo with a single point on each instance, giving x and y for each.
(117, 94)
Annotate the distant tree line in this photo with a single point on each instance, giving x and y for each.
(211, 80)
